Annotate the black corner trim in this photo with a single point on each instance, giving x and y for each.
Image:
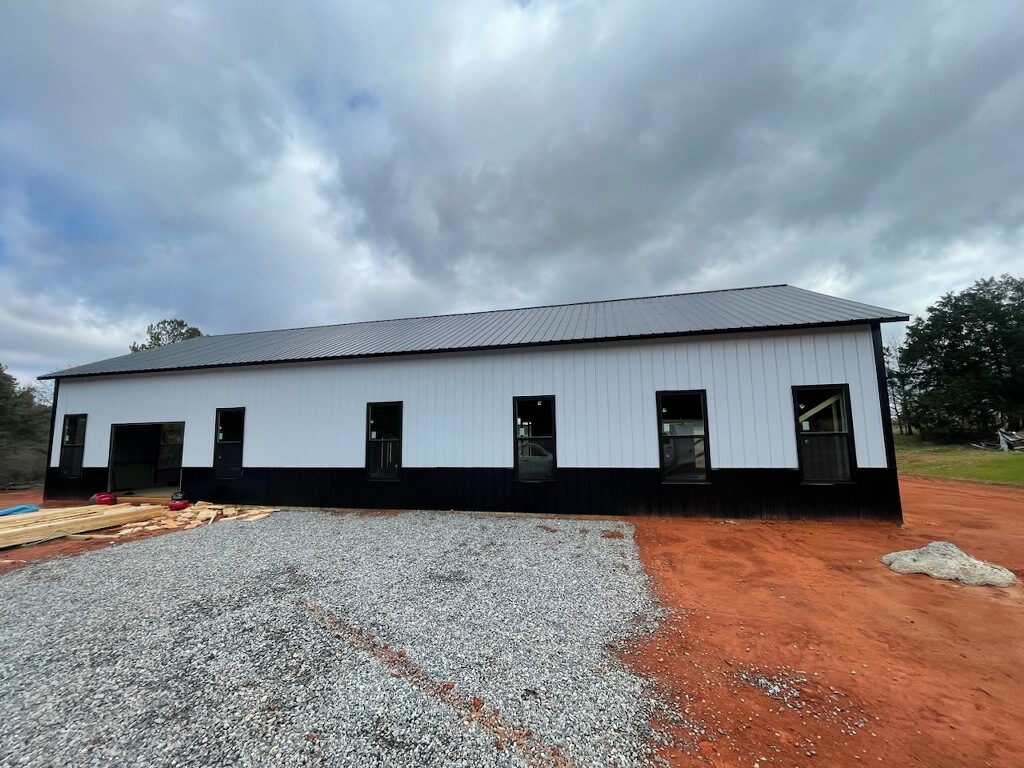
(883, 396)
(53, 427)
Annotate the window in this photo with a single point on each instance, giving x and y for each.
(172, 438)
(227, 448)
(168, 460)
(682, 435)
(535, 437)
(383, 440)
(72, 446)
(824, 440)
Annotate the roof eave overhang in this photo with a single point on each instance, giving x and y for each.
(559, 342)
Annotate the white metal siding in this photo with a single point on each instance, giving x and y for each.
(458, 407)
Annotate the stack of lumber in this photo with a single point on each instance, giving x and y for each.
(75, 522)
(200, 513)
(54, 523)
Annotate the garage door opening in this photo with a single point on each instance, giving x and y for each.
(146, 458)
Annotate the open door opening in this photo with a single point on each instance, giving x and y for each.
(146, 458)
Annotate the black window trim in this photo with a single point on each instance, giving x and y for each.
(63, 431)
(851, 448)
(554, 439)
(397, 476)
(706, 480)
(216, 427)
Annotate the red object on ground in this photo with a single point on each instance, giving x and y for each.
(104, 498)
(175, 506)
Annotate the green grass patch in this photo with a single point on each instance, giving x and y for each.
(962, 462)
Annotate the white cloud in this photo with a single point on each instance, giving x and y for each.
(244, 166)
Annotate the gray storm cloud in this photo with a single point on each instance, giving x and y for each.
(251, 168)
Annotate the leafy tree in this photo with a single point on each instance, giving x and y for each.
(166, 332)
(24, 432)
(898, 378)
(965, 361)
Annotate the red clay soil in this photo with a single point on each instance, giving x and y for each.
(890, 669)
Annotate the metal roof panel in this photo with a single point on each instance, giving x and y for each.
(740, 309)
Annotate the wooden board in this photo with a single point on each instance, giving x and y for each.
(29, 518)
(101, 517)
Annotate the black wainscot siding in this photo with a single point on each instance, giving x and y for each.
(773, 494)
(92, 480)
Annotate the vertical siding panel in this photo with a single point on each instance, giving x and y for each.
(458, 408)
(723, 428)
(589, 455)
(474, 426)
(868, 408)
(567, 401)
(747, 435)
(452, 384)
(637, 427)
(571, 405)
(598, 394)
(608, 410)
(822, 357)
(852, 378)
(807, 362)
(625, 428)
(758, 402)
(775, 406)
(648, 407)
(737, 407)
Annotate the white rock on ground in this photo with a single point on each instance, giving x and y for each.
(944, 560)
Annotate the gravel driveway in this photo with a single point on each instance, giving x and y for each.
(310, 638)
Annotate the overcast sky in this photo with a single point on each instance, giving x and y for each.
(245, 168)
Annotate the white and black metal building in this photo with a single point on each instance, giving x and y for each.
(756, 402)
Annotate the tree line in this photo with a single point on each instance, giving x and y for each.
(25, 411)
(24, 431)
(959, 373)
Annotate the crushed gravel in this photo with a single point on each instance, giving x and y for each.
(311, 638)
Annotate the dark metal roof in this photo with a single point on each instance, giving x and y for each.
(740, 309)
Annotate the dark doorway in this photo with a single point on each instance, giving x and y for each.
(146, 456)
(535, 456)
(228, 444)
(383, 440)
(72, 445)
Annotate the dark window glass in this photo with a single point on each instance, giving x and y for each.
(74, 430)
(682, 433)
(383, 440)
(228, 446)
(535, 437)
(230, 425)
(172, 433)
(172, 438)
(823, 433)
(72, 445)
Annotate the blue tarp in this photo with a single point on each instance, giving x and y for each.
(19, 510)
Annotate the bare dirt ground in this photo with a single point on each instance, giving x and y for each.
(791, 644)
(890, 669)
